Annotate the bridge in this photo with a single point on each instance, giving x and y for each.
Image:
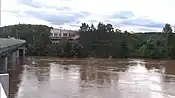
(10, 51)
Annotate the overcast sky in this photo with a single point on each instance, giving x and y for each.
(131, 15)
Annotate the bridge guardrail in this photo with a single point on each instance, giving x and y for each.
(4, 85)
(6, 44)
(2, 92)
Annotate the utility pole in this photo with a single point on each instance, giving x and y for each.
(33, 38)
(60, 31)
(32, 44)
(167, 44)
(17, 34)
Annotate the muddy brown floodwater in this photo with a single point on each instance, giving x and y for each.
(92, 78)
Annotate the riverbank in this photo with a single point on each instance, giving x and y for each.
(55, 59)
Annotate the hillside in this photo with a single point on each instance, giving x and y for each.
(102, 41)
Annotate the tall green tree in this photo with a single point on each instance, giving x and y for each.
(92, 28)
(84, 27)
(168, 41)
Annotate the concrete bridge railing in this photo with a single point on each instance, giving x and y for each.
(8, 44)
(4, 85)
(2, 92)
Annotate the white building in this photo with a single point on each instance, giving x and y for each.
(61, 34)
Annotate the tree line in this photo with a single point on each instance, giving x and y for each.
(102, 41)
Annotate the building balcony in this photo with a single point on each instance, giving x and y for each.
(62, 38)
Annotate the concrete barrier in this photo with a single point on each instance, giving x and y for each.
(2, 92)
(4, 81)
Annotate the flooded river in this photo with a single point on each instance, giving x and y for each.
(92, 78)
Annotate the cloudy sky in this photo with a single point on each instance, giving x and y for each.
(131, 15)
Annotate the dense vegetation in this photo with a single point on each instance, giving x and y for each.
(102, 41)
(37, 37)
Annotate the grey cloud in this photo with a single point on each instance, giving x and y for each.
(31, 3)
(60, 19)
(145, 24)
(92, 21)
(126, 20)
(38, 5)
(142, 22)
(122, 15)
(146, 29)
(11, 11)
(57, 19)
(62, 8)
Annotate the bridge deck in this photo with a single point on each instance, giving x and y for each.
(6, 43)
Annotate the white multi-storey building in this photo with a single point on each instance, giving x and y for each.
(61, 34)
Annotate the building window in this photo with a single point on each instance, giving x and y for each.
(70, 35)
(73, 34)
(60, 34)
(64, 34)
(55, 34)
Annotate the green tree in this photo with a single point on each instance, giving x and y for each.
(102, 41)
(84, 27)
(109, 28)
(36, 36)
(92, 28)
(124, 51)
(168, 43)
